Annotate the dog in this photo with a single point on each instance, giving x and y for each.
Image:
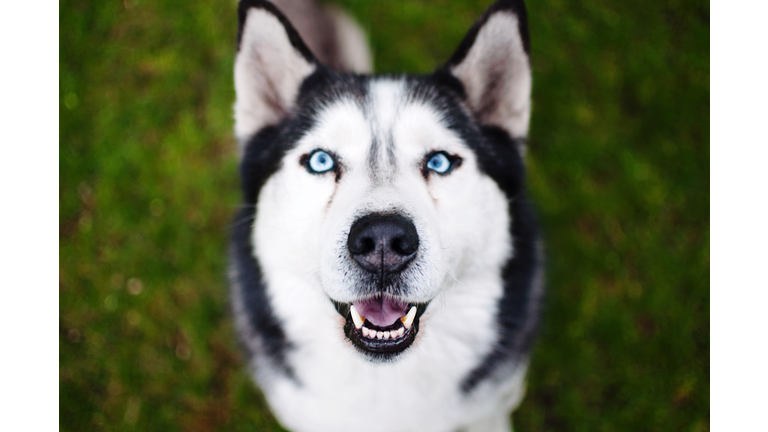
(386, 266)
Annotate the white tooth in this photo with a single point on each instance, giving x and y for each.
(356, 318)
(386, 335)
(408, 321)
(365, 331)
(379, 335)
(372, 334)
(401, 331)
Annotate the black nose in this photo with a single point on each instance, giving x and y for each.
(383, 243)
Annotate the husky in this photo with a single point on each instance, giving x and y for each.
(386, 268)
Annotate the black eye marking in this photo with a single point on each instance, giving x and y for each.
(440, 162)
(319, 162)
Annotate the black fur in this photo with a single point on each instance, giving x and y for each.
(262, 158)
(518, 308)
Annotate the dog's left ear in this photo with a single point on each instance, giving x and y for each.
(271, 64)
(493, 65)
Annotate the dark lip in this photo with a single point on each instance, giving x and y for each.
(380, 349)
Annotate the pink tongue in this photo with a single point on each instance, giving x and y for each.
(381, 312)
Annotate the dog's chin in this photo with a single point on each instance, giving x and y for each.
(388, 331)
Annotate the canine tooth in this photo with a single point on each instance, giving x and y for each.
(386, 335)
(408, 319)
(379, 335)
(358, 320)
(365, 331)
(400, 331)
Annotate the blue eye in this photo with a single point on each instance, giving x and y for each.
(320, 162)
(439, 163)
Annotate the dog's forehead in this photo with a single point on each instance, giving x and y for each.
(391, 123)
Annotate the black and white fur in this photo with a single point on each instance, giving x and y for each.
(476, 277)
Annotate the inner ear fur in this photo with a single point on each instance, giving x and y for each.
(493, 65)
(271, 63)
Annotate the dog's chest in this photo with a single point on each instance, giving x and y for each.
(336, 388)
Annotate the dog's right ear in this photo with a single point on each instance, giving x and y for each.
(493, 65)
(272, 61)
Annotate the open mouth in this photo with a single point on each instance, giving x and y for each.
(381, 326)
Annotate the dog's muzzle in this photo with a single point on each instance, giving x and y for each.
(382, 325)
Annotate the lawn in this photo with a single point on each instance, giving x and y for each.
(618, 168)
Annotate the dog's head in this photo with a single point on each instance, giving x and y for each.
(381, 193)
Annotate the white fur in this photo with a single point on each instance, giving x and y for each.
(498, 56)
(299, 239)
(268, 72)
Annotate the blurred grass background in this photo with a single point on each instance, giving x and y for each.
(619, 168)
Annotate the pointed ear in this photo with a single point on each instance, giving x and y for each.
(493, 65)
(272, 61)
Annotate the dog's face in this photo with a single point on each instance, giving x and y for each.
(382, 191)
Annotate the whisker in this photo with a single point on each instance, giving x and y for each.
(234, 224)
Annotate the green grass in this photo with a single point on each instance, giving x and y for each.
(619, 168)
